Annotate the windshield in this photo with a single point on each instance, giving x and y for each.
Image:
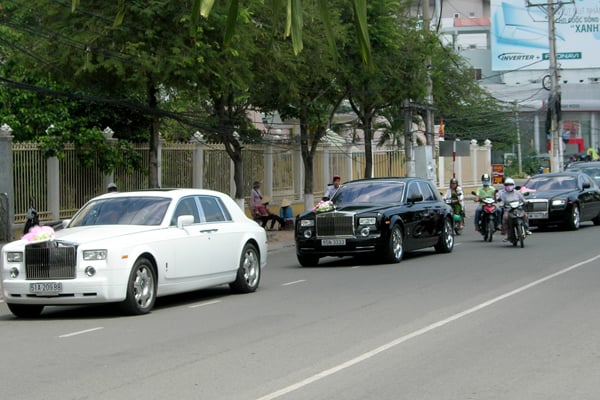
(369, 192)
(122, 211)
(552, 183)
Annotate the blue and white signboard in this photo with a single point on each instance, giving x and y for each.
(519, 35)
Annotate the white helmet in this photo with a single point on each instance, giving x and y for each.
(509, 184)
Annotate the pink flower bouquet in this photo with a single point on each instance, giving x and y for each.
(323, 205)
(39, 233)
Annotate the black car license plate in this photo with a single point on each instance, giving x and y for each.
(333, 242)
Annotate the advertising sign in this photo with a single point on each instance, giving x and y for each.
(519, 35)
(497, 174)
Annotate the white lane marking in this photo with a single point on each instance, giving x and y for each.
(66, 335)
(294, 282)
(206, 303)
(419, 332)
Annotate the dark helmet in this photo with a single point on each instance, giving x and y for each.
(453, 180)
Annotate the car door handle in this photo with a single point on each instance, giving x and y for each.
(208, 230)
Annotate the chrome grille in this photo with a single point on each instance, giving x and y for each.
(535, 205)
(335, 224)
(50, 260)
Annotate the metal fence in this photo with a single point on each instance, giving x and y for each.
(65, 185)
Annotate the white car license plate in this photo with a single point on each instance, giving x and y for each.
(46, 288)
(333, 242)
(536, 215)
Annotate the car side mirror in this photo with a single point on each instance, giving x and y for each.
(184, 220)
(586, 185)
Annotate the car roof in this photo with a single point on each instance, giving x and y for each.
(173, 193)
(556, 174)
(387, 179)
(580, 164)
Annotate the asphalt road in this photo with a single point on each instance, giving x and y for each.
(487, 321)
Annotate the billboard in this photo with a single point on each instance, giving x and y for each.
(519, 35)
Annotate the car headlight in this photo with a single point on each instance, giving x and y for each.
(14, 256)
(307, 222)
(559, 202)
(94, 255)
(367, 221)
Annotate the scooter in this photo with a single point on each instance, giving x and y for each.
(458, 215)
(487, 221)
(516, 223)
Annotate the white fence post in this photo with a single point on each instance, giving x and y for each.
(198, 165)
(53, 187)
(268, 172)
(7, 182)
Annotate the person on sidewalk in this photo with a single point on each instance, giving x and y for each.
(260, 210)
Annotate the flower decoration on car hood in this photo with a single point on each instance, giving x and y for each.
(323, 205)
(525, 189)
(38, 233)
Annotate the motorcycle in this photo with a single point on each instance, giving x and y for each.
(487, 221)
(516, 223)
(458, 215)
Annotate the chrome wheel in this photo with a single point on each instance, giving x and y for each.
(575, 218)
(395, 249)
(248, 275)
(445, 243)
(141, 289)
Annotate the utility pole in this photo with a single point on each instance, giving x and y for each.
(429, 97)
(554, 102)
(550, 7)
(519, 154)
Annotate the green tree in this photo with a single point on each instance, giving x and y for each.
(301, 87)
(128, 66)
(290, 10)
(398, 56)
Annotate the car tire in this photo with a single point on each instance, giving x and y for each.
(395, 248)
(490, 228)
(249, 271)
(141, 288)
(308, 260)
(445, 243)
(574, 220)
(25, 310)
(596, 220)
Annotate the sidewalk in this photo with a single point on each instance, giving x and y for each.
(280, 239)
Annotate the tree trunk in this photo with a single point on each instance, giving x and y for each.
(154, 139)
(367, 127)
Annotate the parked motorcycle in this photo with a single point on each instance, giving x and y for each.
(516, 223)
(487, 221)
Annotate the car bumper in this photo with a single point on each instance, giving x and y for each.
(552, 217)
(74, 291)
(352, 246)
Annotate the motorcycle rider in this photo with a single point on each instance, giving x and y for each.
(508, 195)
(456, 195)
(484, 192)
